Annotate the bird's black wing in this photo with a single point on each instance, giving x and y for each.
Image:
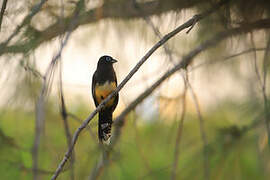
(94, 82)
(116, 98)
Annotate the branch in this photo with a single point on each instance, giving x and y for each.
(202, 131)
(4, 5)
(25, 21)
(45, 87)
(123, 9)
(186, 60)
(265, 99)
(227, 57)
(121, 85)
(179, 132)
(64, 115)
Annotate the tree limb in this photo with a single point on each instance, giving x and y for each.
(168, 36)
(186, 60)
(122, 9)
(4, 5)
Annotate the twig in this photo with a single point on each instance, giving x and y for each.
(110, 9)
(262, 81)
(46, 85)
(186, 60)
(4, 5)
(87, 127)
(121, 85)
(138, 144)
(25, 21)
(227, 57)
(154, 28)
(119, 121)
(202, 131)
(255, 60)
(63, 108)
(265, 99)
(65, 121)
(179, 132)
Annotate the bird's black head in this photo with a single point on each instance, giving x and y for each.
(106, 61)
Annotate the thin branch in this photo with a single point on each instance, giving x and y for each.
(264, 23)
(63, 108)
(4, 5)
(45, 87)
(202, 131)
(138, 144)
(255, 60)
(121, 85)
(186, 60)
(110, 9)
(179, 132)
(265, 99)
(92, 134)
(64, 115)
(25, 21)
(227, 57)
(262, 82)
(154, 28)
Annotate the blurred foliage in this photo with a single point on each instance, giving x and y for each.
(237, 147)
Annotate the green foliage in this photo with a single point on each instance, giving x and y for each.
(144, 152)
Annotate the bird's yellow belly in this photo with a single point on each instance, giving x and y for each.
(103, 90)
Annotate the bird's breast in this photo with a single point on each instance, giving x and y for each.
(103, 90)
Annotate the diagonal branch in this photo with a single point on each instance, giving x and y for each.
(123, 9)
(265, 98)
(45, 89)
(4, 5)
(121, 85)
(25, 21)
(64, 115)
(186, 60)
(179, 132)
(202, 131)
(250, 50)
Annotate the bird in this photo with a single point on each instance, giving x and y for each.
(104, 82)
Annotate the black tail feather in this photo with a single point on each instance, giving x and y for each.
(104, 126)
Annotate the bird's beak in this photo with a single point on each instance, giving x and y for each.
(114, 60)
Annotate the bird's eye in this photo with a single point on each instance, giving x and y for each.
(108, 58)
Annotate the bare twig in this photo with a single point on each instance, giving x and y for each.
(227, 57)
(154, 28)
(40, 106)
(121, 85)
(265, 99)
(110, 9)
(63, 108)
(255, 60)
(4, 5)
(45, 87)
(262, 81)
(179, 133)
(138, 144)
(25, 21)
(186, 60)
(64, 115)
(202, 131)
(92, 134)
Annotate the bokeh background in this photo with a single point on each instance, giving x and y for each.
(208, 121)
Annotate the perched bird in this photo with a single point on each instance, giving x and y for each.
(103, 83)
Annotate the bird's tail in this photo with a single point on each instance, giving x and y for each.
(104, 126)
